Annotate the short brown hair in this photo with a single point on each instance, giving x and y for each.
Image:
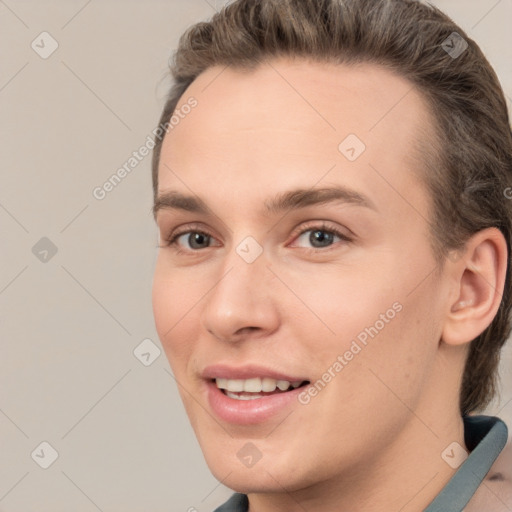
(469, 164)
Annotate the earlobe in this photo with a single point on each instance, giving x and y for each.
(479, 280)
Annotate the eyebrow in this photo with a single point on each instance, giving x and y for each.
(283, 202)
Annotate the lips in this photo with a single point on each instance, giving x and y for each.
(251, 371)
(237, 394)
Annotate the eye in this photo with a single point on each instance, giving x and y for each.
(195, 239)
(320, 236)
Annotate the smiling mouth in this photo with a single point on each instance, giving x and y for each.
(257, 387)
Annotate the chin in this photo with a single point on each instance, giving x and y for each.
(253, 480)
(267, 475)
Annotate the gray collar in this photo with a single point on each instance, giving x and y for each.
(485, 437)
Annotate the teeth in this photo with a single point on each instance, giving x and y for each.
(255, 385)
(268, 384)
(252, 385)
(243, 397)
(235, 385)
(283, 385)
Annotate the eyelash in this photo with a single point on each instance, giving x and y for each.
(171, 240)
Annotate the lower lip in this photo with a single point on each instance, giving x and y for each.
(249, 412)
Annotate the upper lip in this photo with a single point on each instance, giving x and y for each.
(249, 371)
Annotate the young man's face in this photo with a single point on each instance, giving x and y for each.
(277, 294)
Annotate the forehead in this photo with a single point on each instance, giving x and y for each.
(295, 120)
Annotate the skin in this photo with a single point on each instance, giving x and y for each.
(372, 439)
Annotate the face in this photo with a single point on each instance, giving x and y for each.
(263, 287)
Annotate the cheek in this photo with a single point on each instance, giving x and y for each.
(339, 303)
(173, 300)
(396, 363)
(375, 320)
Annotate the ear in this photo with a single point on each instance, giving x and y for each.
(479, 280)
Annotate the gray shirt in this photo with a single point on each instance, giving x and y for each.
(484, 436)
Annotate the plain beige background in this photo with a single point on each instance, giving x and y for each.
(75, 305)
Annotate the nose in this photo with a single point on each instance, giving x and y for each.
(242, 302)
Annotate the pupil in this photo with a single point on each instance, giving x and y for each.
(197, 237)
